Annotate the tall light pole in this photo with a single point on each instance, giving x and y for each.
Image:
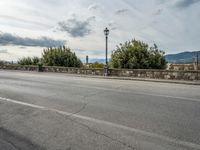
(106, 32)
(197, 65)
(197, 60)
(87, 60)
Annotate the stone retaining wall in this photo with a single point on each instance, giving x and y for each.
(157, 74)
(139, 73)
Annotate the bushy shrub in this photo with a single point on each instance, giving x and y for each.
(138, 55)
(61, 56)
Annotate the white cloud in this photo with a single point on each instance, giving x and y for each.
(76, 27)
(174, 26)
(121, 11)
(185, 3)
(10, 39)
(94, 7)
(3, 51)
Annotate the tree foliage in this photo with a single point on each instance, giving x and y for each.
(138, 55)
(96, 65)
(60, 56)
(29, 61)
(2, 62)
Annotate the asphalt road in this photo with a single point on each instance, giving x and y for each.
(40, 111)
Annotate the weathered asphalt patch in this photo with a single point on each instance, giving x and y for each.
(14, 141)
(110, 124)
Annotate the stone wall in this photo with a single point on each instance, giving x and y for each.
(184, 67)
(19, 67)
(137, 73)
(156, 74)
(74, 70)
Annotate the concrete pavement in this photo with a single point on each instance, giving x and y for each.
(56, 111)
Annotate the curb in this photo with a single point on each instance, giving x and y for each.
(139, 79)
(120, 78)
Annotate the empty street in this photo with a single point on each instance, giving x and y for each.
(52, 111)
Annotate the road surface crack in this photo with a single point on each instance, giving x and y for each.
(13, 145)
(69, 117)
(86, 103)
(80, 110)
(102, 134)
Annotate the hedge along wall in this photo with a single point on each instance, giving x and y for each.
(137, 73)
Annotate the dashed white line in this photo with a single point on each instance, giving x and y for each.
(102, 122)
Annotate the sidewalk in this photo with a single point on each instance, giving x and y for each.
(139, 79)
(119, 78)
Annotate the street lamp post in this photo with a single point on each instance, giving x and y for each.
(106, 32)
(197, 60)
(87, 60)
(197, 65)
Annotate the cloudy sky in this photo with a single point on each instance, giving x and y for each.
(28, 26)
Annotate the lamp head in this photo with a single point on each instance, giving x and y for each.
(106, 31)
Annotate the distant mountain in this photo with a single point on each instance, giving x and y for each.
(94, 60)
(97, 60)
(180, 58)
(183, 58)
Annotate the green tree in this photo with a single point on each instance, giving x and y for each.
(97, 65)
(138, 55)
(60, 56)
(2, 63)
(156, 58)
(36, 60)
(25, 61)
(29, 61)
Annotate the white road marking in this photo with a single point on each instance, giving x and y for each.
(97, 121)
